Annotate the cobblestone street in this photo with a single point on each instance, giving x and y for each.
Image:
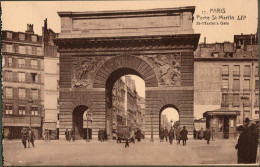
(111, 153)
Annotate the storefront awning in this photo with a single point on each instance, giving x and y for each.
(222, 111)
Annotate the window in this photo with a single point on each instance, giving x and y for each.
(224, 83)
(21, 93)
(246, 114)
(256, 71)
(10, 62)
(225, 70)
(21, 49)
(256, 84)
(9, 35)
(236, 98)
(236, 84)
(21, 76)
(247, 70)
(9, 48)
(256, 112)
(9, 109)
(29, 50)
(246, 84)
(34, 64)
(34, 94)
(21, 110)
(9, 92)
(34, 38)
(8, 75)
(34, 50)
(39, 51)
(21, 63)
(224, 97)
(236, 70)
(34, 110)
(34, 77)
(22, 37)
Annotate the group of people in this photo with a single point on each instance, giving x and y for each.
(69, 135)
(174, 133)
(247, 143)
(28, 136)
(102, 135)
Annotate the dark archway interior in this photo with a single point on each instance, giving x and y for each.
(78, 121)
(114, 76)
(162, 109)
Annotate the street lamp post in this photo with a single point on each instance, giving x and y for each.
(171, 123)
(244, 98)
(151, 114)
(30, 101)
(88, 116)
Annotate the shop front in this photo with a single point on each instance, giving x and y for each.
(222, 123)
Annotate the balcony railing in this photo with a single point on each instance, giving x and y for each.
(247, 104)
(225, 73)
(247, 74)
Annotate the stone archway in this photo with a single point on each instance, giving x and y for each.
(78, 121)
(163, 56)
(115, 68)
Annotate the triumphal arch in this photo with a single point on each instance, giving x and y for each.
(97, 48)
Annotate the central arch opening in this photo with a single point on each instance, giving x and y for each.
(125, 101)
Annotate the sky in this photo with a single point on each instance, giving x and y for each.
(16, 16)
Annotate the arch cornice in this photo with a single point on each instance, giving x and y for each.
(139, 65)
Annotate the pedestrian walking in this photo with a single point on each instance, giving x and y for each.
(99, 134)
(184, 136)
(207, 135)
(178, 135)
(67, 134)
(31, 137)
(24, 136)
(171, 135)
(102, 135)
(161, 134)
(126, 137)
(166, 133)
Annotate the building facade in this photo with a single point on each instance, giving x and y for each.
(226, 76)
(51, 77)
(22, 82)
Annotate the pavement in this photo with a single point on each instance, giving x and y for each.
(56, 152)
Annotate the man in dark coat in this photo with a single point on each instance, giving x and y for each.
(171, 135)
(184, 136)
(99, 134)
(166, 133)
(207, 135)
(253, 143)
(67, 134)
(31, 137)
(161, 134)
(178, 135)
(241, 145)
(72, 135)
(24, 136)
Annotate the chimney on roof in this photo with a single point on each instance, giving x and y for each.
(29, 29)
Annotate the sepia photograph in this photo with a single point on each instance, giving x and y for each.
(130, 83)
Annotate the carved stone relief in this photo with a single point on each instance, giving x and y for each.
(84, 69)
(167, 68)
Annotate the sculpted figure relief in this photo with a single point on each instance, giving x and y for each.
(167, 68)
(84, 69)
